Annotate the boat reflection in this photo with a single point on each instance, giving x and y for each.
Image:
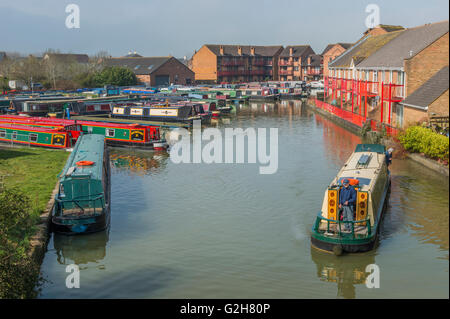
(346, 271)
(140, 162)
(81, 249)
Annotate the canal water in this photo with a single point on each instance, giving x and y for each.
(225, 231)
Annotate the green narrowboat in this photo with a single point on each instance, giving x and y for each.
(82, 204)
(62, 137)
(367, 172)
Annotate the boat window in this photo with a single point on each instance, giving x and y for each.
(33, 137)
(2, 133)
(362, 180)
(14, 135)
(110, 132)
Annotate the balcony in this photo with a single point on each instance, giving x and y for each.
(257, 62)
(231, 63)
(284, 63)
(286, 72)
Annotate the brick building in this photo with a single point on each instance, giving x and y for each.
(293, 64)
(331, 52)
(66, 57)
(312, 68)
(235, 63)
(379, 71)
(430, 99)
(156, 71)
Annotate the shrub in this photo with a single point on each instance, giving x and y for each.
(424, 140)
(18, 272)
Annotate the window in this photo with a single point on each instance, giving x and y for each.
(295, 68)
(89, 129)
(375, 76)
(33, 137)
(110, 132)
(14, 135)
(2, 133)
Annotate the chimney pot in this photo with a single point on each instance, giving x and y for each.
(221, 50)
(291, 51)
(239, 50)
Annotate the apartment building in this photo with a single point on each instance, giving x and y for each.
(216, 63)
(293, 64)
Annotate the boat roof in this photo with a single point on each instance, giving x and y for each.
(19, 127)
(89, 147)
(363, 165)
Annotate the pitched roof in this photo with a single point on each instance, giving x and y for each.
(232, 50)
(386, 27)
(409, 43)
(68, 57)
(330, 46)
(429, 91)
(363, 49)
(297, 50)
(140, 66)
(316, 59)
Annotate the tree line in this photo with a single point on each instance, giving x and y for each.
(64, 74)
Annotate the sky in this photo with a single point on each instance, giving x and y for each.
(179, 27)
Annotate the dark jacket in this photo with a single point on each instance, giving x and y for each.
(388, 158)
(347, 194)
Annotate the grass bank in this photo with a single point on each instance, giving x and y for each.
(27, 179)
(32, 170)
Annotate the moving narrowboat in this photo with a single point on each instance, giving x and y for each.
(184, 113)
(367, 172)
(61, 137)
(82, 204)
(116, 134)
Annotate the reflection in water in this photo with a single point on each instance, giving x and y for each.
(225, 231)
(339, 143)
(139, 162)
(81, 249)
(346, 271)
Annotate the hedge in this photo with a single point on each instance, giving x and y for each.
(424, 140)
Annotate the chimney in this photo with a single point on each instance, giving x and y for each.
(221, 50)
(252, 51)
(239, 50)
(291, 51)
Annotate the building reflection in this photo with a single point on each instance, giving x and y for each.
(339, 143)
(346, 271)
(81, 249)
(139, 162)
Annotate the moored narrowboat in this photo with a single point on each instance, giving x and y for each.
(183, 112)
(367, 172)
(61, 137)
(82, 204)
(116, 134)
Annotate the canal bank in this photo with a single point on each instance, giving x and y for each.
(354, 123)
(225, 231)
(28, 178)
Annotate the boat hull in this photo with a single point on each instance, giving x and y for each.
(78, 226)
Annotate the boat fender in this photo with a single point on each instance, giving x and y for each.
(85, 163)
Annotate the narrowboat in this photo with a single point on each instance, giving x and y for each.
(61, 137)
(183, 113)
(264, 93)
(367, 172)
(82, 204)
(116, 134)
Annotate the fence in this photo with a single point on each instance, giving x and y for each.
(354, 118)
